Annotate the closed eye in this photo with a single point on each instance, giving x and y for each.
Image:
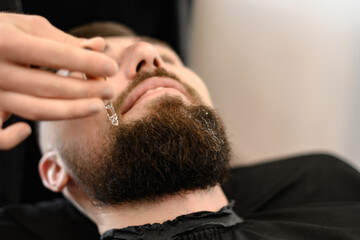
(167, 59)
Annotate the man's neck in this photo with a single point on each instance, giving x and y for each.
(168, 208)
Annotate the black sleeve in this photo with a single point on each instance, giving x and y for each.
(303, 180)
(330, 221)
(55, 220)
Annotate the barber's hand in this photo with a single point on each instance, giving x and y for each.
(36, 94)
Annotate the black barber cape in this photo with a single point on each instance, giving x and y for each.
(307, 197)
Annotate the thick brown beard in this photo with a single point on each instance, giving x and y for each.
(175, 149)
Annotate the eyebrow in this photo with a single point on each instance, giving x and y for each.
(106, 48)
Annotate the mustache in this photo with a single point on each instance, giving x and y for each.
(142, 76)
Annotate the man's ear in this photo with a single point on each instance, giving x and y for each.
(52, 173)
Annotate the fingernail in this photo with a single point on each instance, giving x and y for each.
(107, 93)
(25, 133)
(95, 107)
(110, 69)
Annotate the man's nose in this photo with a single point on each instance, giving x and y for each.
(143, 56)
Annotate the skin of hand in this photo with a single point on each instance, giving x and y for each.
(36, 94)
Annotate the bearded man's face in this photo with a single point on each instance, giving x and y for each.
(169, 140)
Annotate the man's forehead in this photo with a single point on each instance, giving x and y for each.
(153, 41)
(134, 39)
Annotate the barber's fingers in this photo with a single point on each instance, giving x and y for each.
(35, 108)
(42, 83)
(13, 134)
(27, 49)
(39, 26)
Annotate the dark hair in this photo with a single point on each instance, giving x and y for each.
(110, 29)
(102, 29)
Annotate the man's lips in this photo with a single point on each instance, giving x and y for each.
(147, 86)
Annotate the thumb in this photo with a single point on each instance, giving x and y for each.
(13, 135)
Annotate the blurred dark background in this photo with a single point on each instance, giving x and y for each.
(163, 19)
